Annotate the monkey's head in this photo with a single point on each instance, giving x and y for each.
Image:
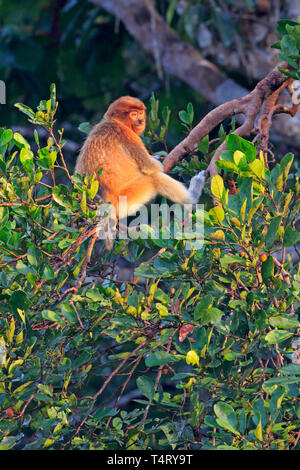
(129, 111)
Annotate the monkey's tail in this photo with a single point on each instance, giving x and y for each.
(171, 189)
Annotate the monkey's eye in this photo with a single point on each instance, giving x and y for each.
(133, 115)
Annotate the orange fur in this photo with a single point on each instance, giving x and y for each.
(127, 169)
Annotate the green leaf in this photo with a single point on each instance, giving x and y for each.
(53, 96)
(281, 26)
(192, 358)
(61, 196)
(257, 167)
(285, 164)
(239, 156)
(20, 141)
(217, 215)
(282, 381)
(226, 417)
(235, 142)
(33, 255)
(18, 299)
(258, 431)
(8, 442)
(217, 186)
(25, 109)
(276, 399)
(243, 210)
(227, 155)
(83, 204)
(3, 168)
(288, 45)
(190, 111)
(52, 316)
(272, 231)
(290, 237)
(159, 358)
(68, 312)
(171, 11)
(85, 127)
(92, 191)
(11, 330)
(212, 315)
(94, 295)
(204, 144)
(146, 386)
(166, 113)
(6, 137)
(205, 303)
(104, 413)
(184, 117)
(48, 272)
(277, 336)
(284, 321)
(26, 158)
(228, 166)
(267, 269)
(290, 369)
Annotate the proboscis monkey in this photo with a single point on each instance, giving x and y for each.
(127, 168)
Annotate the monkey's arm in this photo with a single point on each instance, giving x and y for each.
(156, 159)
(146, 164)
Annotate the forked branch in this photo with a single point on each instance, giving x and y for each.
(264, 96)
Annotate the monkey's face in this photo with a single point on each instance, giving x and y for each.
(130, 111)
(137, 120)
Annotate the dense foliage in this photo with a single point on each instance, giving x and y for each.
(199, 345)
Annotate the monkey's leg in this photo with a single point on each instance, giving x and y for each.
(139, 192)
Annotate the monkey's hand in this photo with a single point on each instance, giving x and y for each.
(146, 164)
(150, 165)
(157, 157)
(196, 186)
(157, 162)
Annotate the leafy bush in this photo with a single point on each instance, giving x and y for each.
(203, 345)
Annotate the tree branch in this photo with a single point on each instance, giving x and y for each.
(174, 55)
(184, 61)
(250, 106)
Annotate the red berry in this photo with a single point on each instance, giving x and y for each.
(9, 412)
(263, 257)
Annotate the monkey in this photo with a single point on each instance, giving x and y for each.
(115, 146)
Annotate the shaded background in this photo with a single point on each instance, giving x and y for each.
(85, 48)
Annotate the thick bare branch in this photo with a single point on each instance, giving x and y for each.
(174, 55)
(184, 61)
(250, 106)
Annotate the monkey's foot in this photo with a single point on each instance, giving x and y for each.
(196, 186)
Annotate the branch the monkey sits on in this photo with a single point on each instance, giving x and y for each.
(128, 170)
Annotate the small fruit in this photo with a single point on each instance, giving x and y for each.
(9, 412)
(263, 257)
